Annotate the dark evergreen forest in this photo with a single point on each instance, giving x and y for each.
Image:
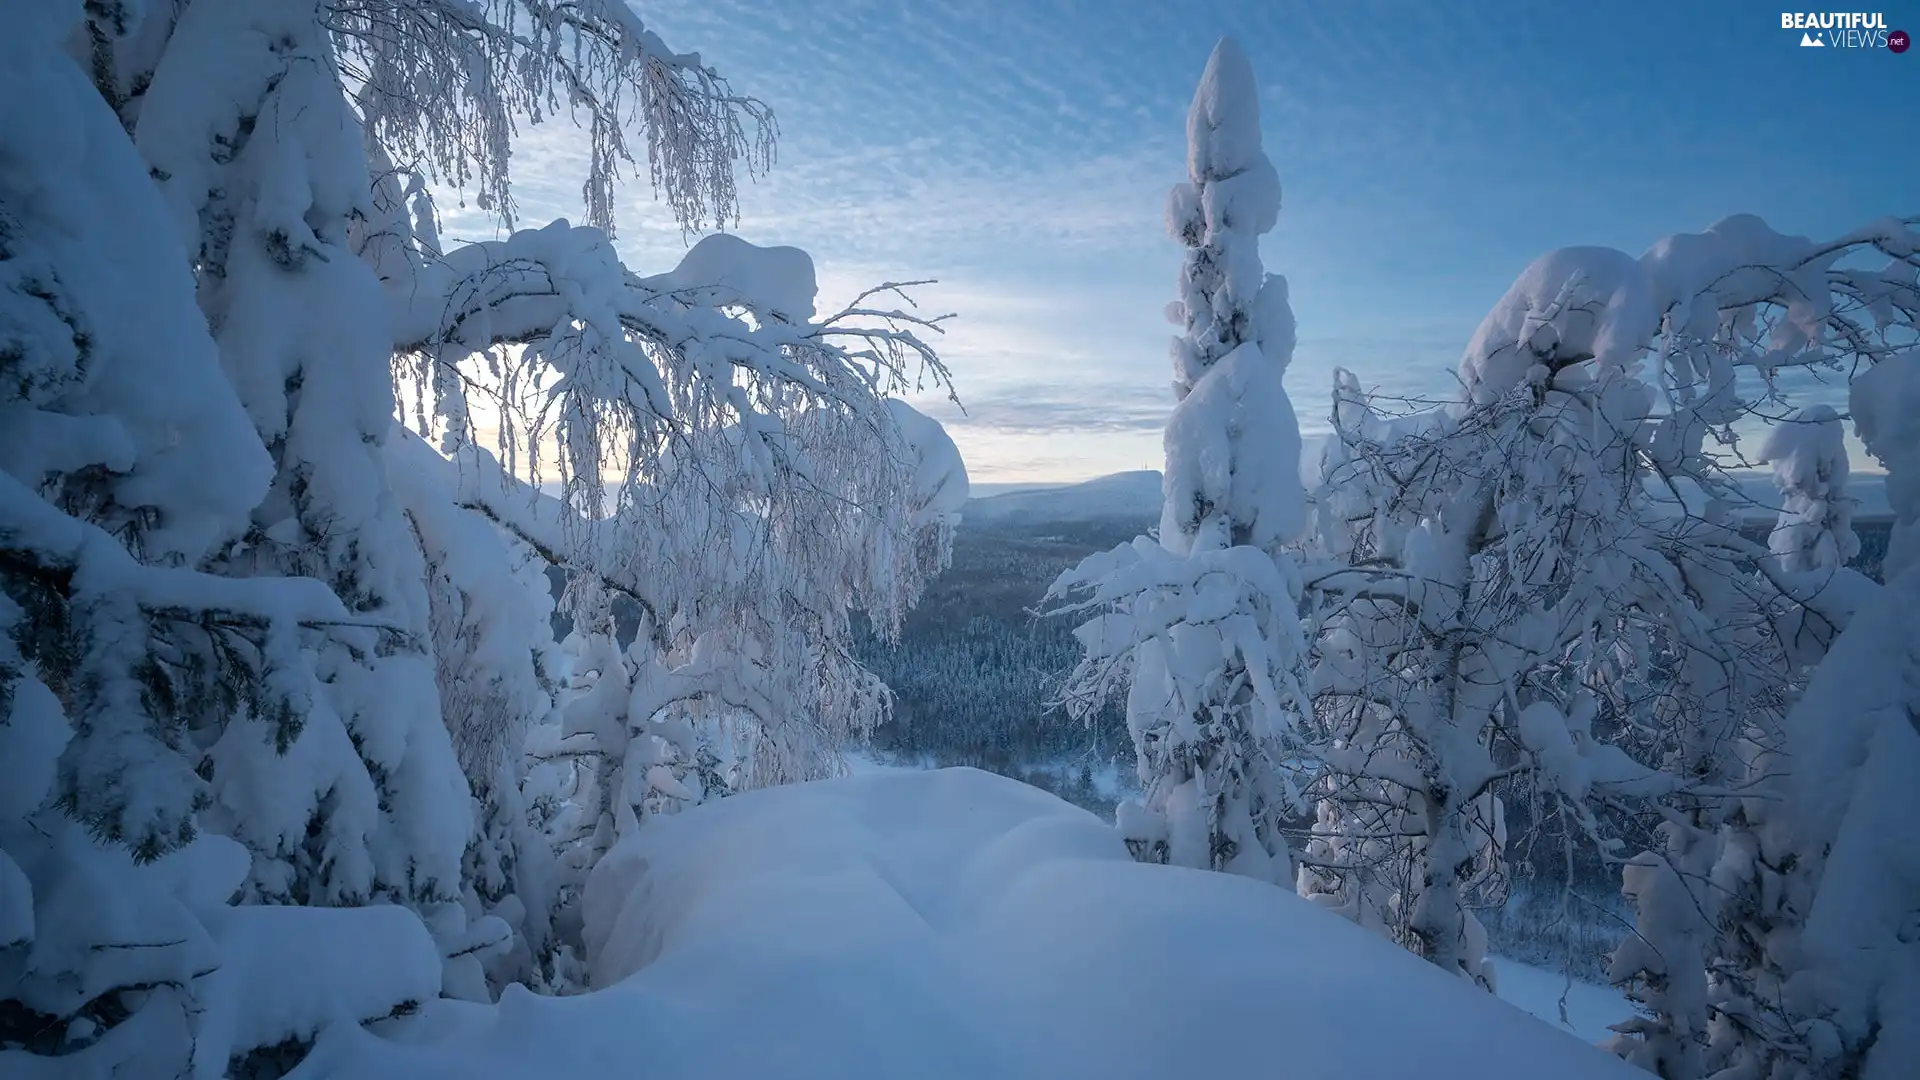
(976, 672)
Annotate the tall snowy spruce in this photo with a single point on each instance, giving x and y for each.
(1201, 625)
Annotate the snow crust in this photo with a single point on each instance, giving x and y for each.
(955, 924)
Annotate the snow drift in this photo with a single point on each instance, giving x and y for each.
(955, 924)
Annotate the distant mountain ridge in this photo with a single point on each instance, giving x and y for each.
(1135, 496)
(1128, 495)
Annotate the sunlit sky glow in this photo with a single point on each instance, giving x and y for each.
(1020, 151)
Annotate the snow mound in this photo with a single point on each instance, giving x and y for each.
(723, 269)
(957, 924)
(940, 474)
(1569, 305)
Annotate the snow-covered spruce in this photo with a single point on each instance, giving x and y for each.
(120, 663)
(368, 801)
(1809, 457)
(1200, 626)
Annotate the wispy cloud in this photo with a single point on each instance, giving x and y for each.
(1042, 409)
(1020, 152)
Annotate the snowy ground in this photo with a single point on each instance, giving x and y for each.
(1589, 1010)
(868, 765)
(956, 924)
(1583, 1008)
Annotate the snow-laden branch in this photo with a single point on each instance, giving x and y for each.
(83, 560)
(444, 84)
(1738, 295)
(730, 311)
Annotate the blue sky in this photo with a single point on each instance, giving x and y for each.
(1020, 151)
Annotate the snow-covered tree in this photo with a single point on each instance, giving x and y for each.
(1850, 837)
(1525, 593)
(1474, 557)
(1818, 888)
(242, 601)
(127, 462)
(1716, 920)
(769, 694)
(497, 671)
(725, 460)
(266, 172)
(1809, 457)
(1201, 625)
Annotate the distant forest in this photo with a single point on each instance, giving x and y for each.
(975, 672)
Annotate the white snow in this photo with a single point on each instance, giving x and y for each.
(1233, 443)
(97, 318)
(956, 924)
(1886, 407)
(355, 964)
(724, 270)
(1584, 1009)
(939, 487)
(1574, 302)
(271, 668)
(1849, 799)
(1809, 457)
